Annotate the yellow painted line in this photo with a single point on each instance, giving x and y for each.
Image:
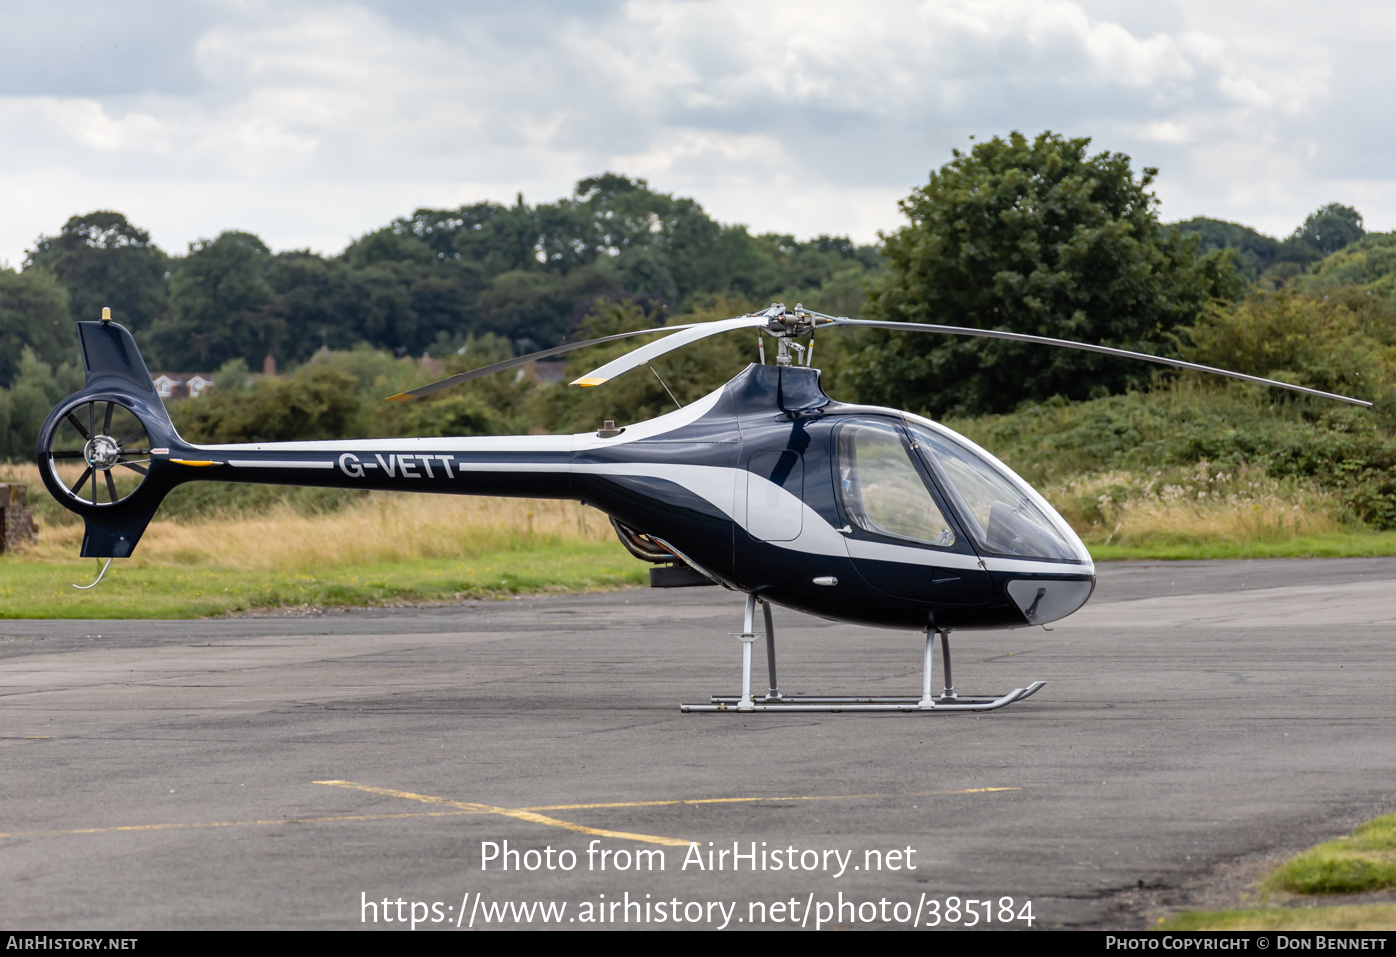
(516, 813)
(200, 463)
(209, 824)
(465, 809)
(746, 800)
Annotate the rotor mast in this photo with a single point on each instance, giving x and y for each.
(787, 325)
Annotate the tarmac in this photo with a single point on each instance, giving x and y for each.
(1201, 720)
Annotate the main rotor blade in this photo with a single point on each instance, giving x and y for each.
(514, 363)
(693, 333)
(1087, 347)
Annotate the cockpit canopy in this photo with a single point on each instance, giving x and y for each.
(883, 482)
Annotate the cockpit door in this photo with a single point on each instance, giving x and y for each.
(898, 533)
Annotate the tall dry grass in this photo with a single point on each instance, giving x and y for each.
(1199, 504)
(378, 528)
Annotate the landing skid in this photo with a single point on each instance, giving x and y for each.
(773, 700)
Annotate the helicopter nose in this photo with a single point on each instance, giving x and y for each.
(1045, 600)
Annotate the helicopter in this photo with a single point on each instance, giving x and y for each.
(766, 486)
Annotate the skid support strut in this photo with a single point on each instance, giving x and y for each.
(773, 694)
(773, 700)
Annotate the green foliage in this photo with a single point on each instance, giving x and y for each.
(527, 273)
(1369, 265)
(1330, 228)
(315, 403)
(340, 395)
(1037, 238)
(34, 316)
(527, 304)
(103, 260)
(1343, 450)
(1360, 862)
(1317, 343)
(221, 306)
(1252, 252)
(1272, 262)
(34, 391)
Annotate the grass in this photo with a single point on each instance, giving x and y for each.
(1351, 917)
(31, 589)
(1362, 862)
(1340, 544)
(371, 549)
(1356, 863)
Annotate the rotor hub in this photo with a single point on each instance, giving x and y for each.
(101, 452)
(785, 326)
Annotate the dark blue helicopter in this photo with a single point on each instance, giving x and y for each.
(766, 486)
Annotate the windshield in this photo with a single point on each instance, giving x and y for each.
(999, 513)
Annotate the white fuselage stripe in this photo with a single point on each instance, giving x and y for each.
(277, 464)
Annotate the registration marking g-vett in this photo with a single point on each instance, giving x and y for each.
(403, 463)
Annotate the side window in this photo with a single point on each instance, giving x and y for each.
(881, 489)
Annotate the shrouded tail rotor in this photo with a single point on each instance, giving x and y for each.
(96, 450)
(99, 453)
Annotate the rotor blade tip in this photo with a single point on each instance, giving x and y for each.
(400, 397)
(587, 380)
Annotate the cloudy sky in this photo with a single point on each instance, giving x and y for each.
(311, 122)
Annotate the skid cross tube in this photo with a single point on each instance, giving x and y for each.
(774, 700)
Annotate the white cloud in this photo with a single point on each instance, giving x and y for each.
(310, 122)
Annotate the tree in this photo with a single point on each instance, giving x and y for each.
(37, 387)
(221, 306)
(102, 260)
(1368, 265)
(1032, 237)
(1253, 252)
(314, 403)
(1330, 228)
(314, 302)
(33, 314)
(1321, 343)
